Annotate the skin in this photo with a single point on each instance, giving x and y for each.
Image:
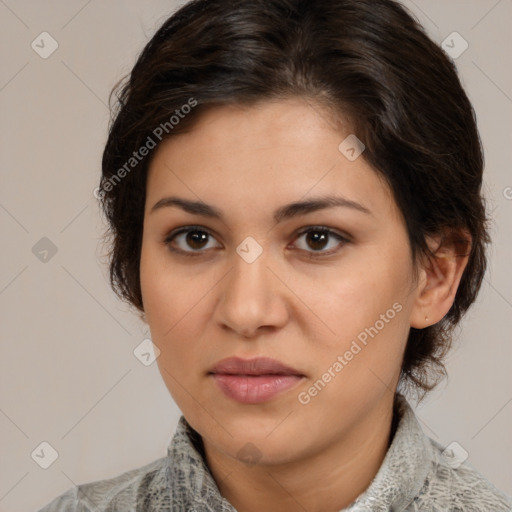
(289, 304)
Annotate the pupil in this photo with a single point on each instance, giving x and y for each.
(196, 237)
(317, 237)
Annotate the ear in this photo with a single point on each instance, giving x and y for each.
(439, 278)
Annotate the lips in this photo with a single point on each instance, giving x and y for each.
(253, 381)
(256, 366)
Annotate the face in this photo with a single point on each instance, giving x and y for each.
(327, 291)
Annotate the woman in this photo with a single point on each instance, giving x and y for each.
(293, 190)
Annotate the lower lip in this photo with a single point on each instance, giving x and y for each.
(254, 389)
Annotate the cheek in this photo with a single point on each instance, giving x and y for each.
(352, 301)
(170, 316)
(172, 305)
(362, 361)
(163, 291)
(366, 309)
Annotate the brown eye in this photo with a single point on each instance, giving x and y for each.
(317, 239)
(196, 239)
(189, 240)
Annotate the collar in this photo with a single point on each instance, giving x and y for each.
(398, 481)
(404, 469)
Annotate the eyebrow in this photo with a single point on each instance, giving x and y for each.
(283, 213)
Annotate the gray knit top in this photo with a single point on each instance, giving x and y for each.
(417, 474)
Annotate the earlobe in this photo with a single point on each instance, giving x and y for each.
(440, 278)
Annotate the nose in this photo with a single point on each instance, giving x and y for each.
(253, 297)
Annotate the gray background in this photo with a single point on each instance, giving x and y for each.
(68, 373)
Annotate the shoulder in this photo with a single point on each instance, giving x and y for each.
(456, 486)
(123, 492)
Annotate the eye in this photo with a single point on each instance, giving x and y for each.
(198, 239)
(194, 237)
(319, 237)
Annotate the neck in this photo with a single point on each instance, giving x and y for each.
(329, 480)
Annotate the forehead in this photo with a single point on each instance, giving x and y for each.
(267, 154)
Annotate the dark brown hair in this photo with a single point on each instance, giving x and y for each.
(370, 62)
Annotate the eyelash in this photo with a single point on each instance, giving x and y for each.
(313, 254)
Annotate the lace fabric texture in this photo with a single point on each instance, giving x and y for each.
(414, 476)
